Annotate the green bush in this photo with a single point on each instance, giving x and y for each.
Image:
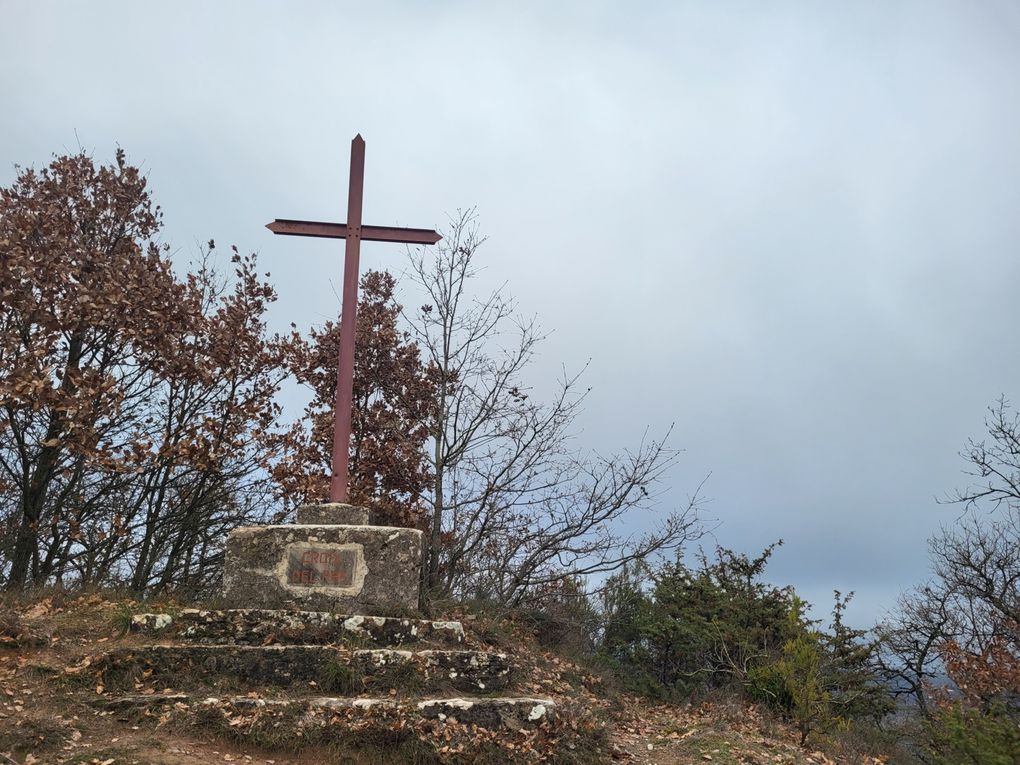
(766, 684)
(820, 680)
(970, 737)
(693, 628)
(801, 671)
(676, 632)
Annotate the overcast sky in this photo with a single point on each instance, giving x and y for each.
(789, 228)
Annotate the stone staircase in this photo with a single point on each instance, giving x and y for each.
(300, 658)
(315, 671)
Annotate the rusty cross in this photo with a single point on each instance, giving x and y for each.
(353, 231)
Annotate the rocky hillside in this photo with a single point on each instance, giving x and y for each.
(104, 681)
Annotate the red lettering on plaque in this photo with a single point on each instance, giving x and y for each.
(321, 568)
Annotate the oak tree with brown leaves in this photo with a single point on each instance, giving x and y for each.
(134, 404)
(394, 399)
(86, 305)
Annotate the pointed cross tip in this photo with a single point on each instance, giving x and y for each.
(272, 226)
(358, 139)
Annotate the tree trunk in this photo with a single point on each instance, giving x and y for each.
(435, 537)
(32, 504)
(34, 498)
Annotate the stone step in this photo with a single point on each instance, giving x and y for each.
(257, 626)
(311, 667)
(491, 712)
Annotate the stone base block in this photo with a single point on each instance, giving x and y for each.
(350, 569)
(333, 513)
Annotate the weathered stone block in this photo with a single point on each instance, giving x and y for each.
(333, 513)
(352, 569)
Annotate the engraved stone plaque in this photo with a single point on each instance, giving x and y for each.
(310, 565)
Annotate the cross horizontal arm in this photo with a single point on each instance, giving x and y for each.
(339, 231)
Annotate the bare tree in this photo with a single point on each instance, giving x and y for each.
(978, 559)
(909, 641)
(995, 462)
(978, 564)
(515, 505)
(971, 605)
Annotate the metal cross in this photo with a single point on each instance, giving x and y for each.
(353, 232)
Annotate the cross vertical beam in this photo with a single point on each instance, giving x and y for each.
(348, 324)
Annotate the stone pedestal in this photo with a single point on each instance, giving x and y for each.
(325, 606)
(329, 560)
